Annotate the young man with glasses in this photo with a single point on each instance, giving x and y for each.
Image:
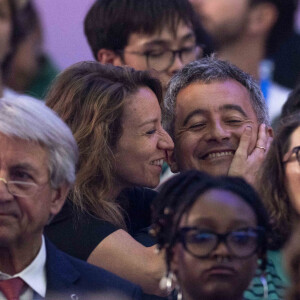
(160, 35)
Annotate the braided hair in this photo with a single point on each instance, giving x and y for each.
(179, 194)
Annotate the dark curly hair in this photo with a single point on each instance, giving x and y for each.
(179, 194)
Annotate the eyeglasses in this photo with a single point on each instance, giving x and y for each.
(288, 155)
(241, 243)
(162, 60)
(20, 188)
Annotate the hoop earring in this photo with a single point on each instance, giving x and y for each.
(167, 282)
(264, 283)
(179, 293)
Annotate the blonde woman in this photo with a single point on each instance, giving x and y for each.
(115, 116)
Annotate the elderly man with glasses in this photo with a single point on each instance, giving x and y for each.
(38, 155)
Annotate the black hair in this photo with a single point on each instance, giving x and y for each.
(179, 194)
(109, 23)
(283, 28)
(292, 104)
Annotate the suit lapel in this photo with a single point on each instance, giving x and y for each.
(61, 274)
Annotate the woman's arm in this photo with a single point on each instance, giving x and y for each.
(121, 254)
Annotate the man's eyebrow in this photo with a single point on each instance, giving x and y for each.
(25, 166)
(234, 107)
(188, 36)
(194, 113)
(158, 42)
(162, 42)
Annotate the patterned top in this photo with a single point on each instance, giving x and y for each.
(276, 279)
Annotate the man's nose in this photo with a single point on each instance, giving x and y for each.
(218, 132)
(177, 64)
(4, 193)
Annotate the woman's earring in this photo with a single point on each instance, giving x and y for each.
(167, 282)
(179, 293)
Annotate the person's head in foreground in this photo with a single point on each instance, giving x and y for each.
(208, 106)
(163, 35)
(280, 177)
(213, 230)
(37, 167)
(115, 116)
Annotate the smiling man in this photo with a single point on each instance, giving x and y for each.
(163, 35)
(217, 117)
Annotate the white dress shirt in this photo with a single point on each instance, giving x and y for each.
(34, 275)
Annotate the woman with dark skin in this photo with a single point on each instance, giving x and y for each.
(210, 255)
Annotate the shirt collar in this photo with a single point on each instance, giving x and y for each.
(35, 274)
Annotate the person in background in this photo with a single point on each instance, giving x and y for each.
(210, 256)
(292, 104)
(280, 191)
(9, 36)
(38, 154)
(279, 185)
(31, 70)
(115, 116)
(248, 33)
(163, 35)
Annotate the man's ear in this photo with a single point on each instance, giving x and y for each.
(262, 18)
(58, 198)
(172, 162)
(107, 56)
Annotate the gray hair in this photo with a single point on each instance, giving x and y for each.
(29, 119)
(207, 70)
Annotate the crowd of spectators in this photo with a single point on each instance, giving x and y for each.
(90, 205)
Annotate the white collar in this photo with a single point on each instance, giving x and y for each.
(34, 274)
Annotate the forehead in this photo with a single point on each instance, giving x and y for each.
(165, 35)
(140, 106)
(295, 138)
(235, 210)
(14, 151)
(213, 97)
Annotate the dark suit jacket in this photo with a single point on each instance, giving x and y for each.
(71, 278)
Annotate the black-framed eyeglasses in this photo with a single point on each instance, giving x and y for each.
(162, 60)
(21, 188)
(240, 243)
(288, 155)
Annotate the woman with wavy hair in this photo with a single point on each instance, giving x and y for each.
(115, 116)
(279, 179)
(280, 190)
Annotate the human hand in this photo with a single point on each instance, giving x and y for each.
(246, 164)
